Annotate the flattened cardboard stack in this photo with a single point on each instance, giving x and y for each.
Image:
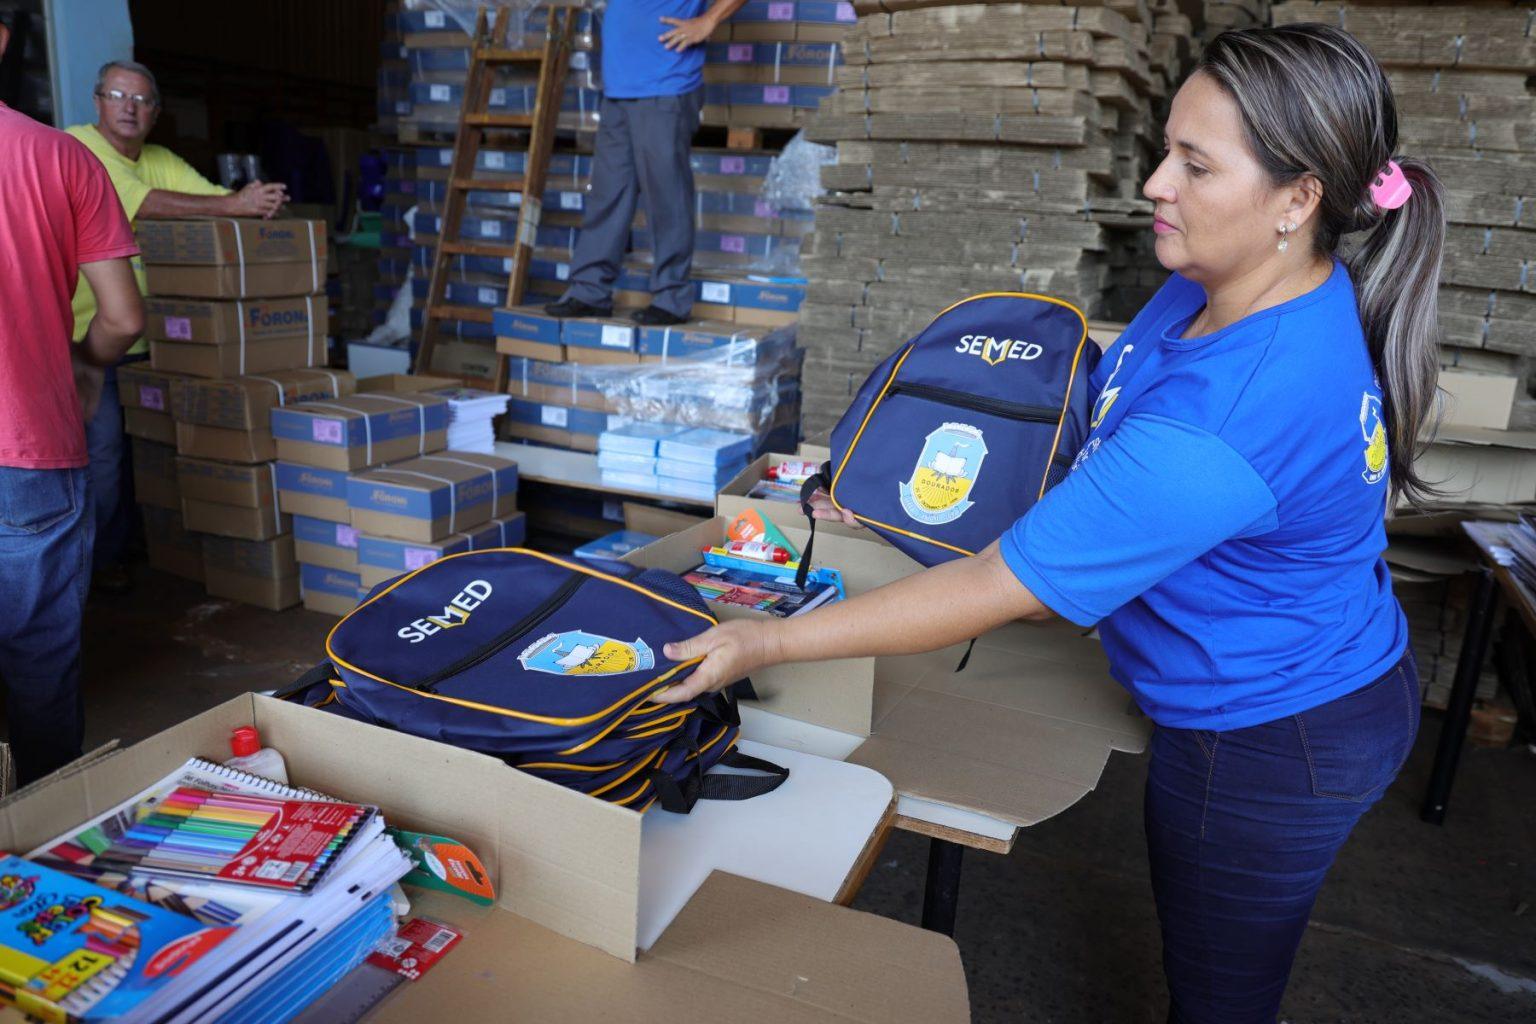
(980, 147)
(1460, 76)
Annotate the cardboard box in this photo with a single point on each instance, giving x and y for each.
(324, 543)
(172, 548)
(330, 591)
(550, 436)
(154, 474)
(384, 558)
(732, 499)
(433, 496)
(604, 335)
(203, 442)
(225, 483)
(567, 873)
(361, 431)
(272, 594)
(233, 520)
(245, 403)
(229, 241)
(529, 350)
(405, 382)
(151, 426)
(140, 386)
(271, 559)
(800, 691)
(313, 492)
(239, 358)
(266, 281)
(1478, 399)
(210, 322)
(527, 323)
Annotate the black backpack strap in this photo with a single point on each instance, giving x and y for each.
(811, 485)
(323, 672)
(679, 797)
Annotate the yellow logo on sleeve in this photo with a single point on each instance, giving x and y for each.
(1374, 430)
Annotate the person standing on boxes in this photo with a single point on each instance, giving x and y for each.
(151, 181)
(653, 79)
(1224, 524)
(62, 221)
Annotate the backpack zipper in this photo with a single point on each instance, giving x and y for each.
(991, 406)
(523, 626)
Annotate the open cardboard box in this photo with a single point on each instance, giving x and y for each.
(567, 870)
(836, 695)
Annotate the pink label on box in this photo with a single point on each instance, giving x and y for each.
(763, 209)
(845, 12)
(775, 94)
(346, 537)
(178, 328)
(415, 558)
(781, 12)
(152, 398)
(326, 431)
(733, 243)
(739, 53)
(733, 165)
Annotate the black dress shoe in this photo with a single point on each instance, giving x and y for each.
(566, 308)
(654, 316)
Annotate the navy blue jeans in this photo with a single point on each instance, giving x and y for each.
(46, 530)
(1242, 827)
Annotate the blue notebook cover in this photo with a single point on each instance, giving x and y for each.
(70, 950)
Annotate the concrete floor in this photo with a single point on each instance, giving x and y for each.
(1415, 924)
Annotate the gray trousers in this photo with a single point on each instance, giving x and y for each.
(641, 156)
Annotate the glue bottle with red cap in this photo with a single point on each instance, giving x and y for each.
(251, 756)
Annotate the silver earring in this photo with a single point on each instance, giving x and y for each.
(1285, 241)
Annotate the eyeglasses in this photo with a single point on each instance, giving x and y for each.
(118, 96)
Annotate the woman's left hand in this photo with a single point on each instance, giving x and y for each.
(731, 651)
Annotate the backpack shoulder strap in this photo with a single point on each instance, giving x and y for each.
(813, 483)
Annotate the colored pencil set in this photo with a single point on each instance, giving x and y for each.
(189, 832)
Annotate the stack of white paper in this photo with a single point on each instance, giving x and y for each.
(470, 413)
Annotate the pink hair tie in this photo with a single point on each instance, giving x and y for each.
(1391, 189)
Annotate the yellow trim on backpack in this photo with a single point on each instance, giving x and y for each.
(568, 767)
(522, 715)
(645, 762)
(662, 724)
(1060, 420)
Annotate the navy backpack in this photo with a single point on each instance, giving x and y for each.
(547, 664)
(964, 427)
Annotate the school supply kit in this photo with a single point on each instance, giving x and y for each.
(548, 664)
(961, 430)
(213, 895)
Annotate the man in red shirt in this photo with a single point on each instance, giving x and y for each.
(61, 219)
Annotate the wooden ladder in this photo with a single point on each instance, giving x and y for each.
(491, 49)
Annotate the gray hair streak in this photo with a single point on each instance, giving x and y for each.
(1314, 101)
(128, 65)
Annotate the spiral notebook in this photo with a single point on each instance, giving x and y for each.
(198, 826)
(272, 933)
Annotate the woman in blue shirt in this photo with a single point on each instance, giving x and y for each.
(1224, 523)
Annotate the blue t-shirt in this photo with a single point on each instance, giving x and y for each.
(1224, 523)
(635, 64)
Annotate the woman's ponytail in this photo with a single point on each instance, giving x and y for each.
(1396, 271)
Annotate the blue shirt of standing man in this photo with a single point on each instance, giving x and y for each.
(653, 61)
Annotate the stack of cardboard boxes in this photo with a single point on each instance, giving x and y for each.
(356, 521)
(235, 318)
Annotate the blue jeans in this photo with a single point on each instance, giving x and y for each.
(1242, 826)
(45, 571)
(111, 471)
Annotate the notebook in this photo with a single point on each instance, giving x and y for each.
(273, 931)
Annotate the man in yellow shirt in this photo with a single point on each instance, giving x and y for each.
(150, 181)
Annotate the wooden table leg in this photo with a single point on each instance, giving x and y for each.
(1458, 712)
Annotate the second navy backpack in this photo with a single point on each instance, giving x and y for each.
(966, 426)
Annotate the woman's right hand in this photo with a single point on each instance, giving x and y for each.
(822, 508)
